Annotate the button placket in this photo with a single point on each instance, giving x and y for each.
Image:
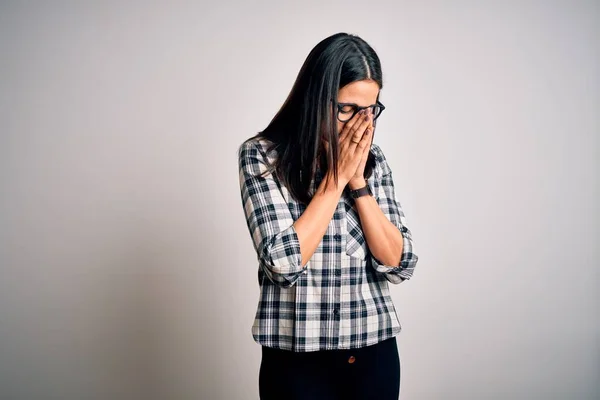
(340, 239)
(339, 235)
(354, 237)
(355, 245)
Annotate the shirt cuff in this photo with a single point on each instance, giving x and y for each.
(398, 273)
(282, 259)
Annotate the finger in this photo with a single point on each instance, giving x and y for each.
(360, 156)
(350, 124)
(345, 139)
(358, 131)
(354, 122)
(365, 142)
(354, 132)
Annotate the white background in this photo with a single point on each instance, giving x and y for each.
(127, 270)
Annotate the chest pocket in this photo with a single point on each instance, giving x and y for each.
(356, 243)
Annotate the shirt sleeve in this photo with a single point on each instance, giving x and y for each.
(269, 220)
(390, 205)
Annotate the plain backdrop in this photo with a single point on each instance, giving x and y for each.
(127, 270)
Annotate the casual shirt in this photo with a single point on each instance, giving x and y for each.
(340, 299)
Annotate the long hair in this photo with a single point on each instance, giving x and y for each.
(309, 113)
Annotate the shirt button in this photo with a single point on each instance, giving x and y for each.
(337, 236)
(336, 312)
(351, 360)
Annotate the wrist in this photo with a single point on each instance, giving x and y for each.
(357, 183)
(332, 187)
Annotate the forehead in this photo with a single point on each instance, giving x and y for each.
(363, 93)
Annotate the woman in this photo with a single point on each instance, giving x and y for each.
(329, 233)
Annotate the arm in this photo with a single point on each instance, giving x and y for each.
(383, 222)
(283, 246)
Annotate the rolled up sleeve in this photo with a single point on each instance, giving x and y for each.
(268, 218)
(390, 205)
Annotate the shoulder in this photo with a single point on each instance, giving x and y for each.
(381, 163)
(254, 144)
(256, 156)
(255, 150)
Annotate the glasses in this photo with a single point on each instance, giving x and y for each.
(346, 111)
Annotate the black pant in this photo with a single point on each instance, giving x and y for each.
(371, 372)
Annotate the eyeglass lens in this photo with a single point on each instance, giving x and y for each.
(346, 112)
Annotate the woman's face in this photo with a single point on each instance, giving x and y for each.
(362, 93)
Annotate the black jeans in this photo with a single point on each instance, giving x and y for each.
(371, 372)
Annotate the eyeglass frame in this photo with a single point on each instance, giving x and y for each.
(357, 109)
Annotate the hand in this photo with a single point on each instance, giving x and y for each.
(355, 137)
(358, 181)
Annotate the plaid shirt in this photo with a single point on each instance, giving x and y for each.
(340, 298)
